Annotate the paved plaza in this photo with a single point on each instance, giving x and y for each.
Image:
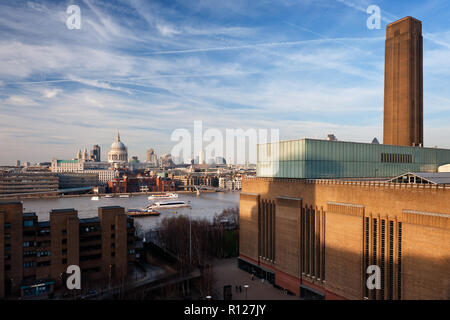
(226, 272)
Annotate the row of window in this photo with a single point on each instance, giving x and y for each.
(89, 229)
(312, 243)
(27, 244)
(374, 228)
(396, 158)
(43, 253)
(266, 228)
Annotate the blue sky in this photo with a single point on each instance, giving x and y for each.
(305, 67)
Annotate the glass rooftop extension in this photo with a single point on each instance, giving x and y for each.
(322, 159)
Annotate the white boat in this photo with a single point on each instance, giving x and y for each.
(163, 196)
(169, 204)
(124, 196)
(95, 198)
(109, 196)
(142, 212)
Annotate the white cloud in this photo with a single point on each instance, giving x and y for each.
(50, 93)
(20, 101)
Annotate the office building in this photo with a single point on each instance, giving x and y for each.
(27, 182)
(69, 180)
(152, 158)
(95, 154)
(101, 169)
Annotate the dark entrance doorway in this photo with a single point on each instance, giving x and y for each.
(307, 293)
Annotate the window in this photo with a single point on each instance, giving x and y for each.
(44, 244)
(43, 253)
(29, 233)
(44, 232)
(396, 158)
(43, 263)
(64, 232)
(28, 253)
(27, 244)
(64, 252)
(28, 223)
(399, 262)
(374, 248)
(7, 225)
(391, 259)
(64, 241)
(64, 261)
(366, 254)
(382, 256)
(29, 264)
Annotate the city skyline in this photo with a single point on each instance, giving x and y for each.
(150, 68)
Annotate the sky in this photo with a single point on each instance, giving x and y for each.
(305, 67)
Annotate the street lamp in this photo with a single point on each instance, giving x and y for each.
(208, 297)
(190, 237)
(246, 287)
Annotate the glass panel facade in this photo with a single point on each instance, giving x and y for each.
(315, 159)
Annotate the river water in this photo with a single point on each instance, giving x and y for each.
(207, 205)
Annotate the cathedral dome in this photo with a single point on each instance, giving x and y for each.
(118, 146)
(118, 151)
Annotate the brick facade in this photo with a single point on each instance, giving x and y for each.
(34, 253)
(327, 232)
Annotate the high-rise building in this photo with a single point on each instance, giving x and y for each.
(152, 157)
(201, 157)
(403, 88)
(95, 154)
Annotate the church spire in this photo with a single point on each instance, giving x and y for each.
(118, 136)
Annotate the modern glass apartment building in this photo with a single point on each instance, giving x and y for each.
(316, 159)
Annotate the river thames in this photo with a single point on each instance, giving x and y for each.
(206, 205)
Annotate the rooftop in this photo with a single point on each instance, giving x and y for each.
(423, 178)
(61, 210)
(111, 207)
(89, 220)
(29, 214)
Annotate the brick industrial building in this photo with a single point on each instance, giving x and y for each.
(403, 89)
(319, 213)
(34, 255)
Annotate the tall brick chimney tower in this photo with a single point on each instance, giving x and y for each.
(403, 83)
